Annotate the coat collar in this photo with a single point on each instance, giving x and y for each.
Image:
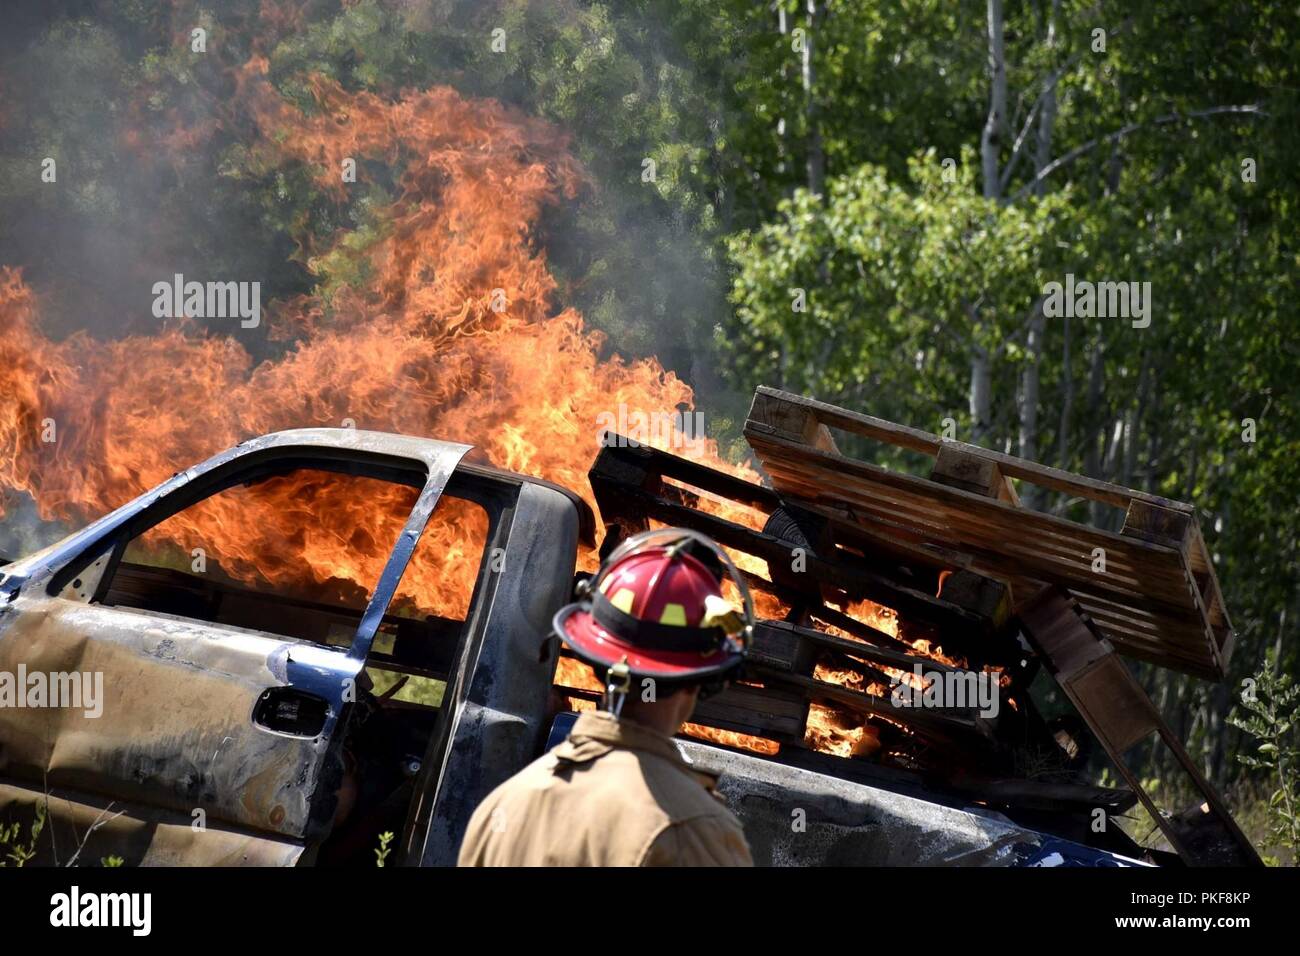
(597, 732)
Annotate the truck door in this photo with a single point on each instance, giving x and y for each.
(184, 667)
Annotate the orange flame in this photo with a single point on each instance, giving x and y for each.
(454, 334)
(841, 730)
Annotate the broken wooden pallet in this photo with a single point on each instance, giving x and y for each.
(1124, 720)
(1157, 600)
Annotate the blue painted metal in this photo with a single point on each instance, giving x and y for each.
(561, 727)
(1054, 851)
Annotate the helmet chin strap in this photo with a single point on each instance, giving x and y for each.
(618, 681)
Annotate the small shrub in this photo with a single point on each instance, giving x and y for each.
(1270, 715)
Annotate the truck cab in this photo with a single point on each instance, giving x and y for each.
(254, 707)
(248, 719)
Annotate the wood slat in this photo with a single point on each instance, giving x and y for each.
(1098, 589)
(1121, 715)
(952, 723)
(1120, 562)
(1161, 577)
(917, 440)
(765, 546)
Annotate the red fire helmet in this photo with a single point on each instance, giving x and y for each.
(657, 604)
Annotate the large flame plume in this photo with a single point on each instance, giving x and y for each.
(417, 348)
(454, 332)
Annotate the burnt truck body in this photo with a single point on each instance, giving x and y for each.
(245, 728)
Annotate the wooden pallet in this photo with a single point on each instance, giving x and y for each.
(965, 754)
(1158, 599)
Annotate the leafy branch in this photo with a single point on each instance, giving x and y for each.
(382, 851)
(17, 851)
(1269, 701)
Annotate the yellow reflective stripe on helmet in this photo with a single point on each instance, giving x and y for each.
(673, 614)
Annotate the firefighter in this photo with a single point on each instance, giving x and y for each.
(619, 791)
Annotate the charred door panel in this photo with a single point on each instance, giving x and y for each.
(180, 729)
(174, 726)
(500, 699)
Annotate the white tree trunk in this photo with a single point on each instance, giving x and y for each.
(1092, 466)
(816, 158)
(1035, 496)
(784, 29)
(981, 367)
(991, 140)
(1047, 116)
(981, 394)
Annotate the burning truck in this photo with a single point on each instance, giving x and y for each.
(322, 635)
(328, 633)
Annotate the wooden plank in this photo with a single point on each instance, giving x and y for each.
(1175, 639)
(1112, 584)
(834, 474)
(1027, 551)
(1120, 715)
(884, 656)
(973, 473)
(970, 631)
(766, 399)
(978, 593)
(846, 525)
(915, 502)
(829, 615)
(653, 461)
(929, 522)
(1122, 718)
(759, 711)
(1164, 526)
(1181, 532)
(1181, 622)
(776, 645)
(1142, 652)
(1199, 557)
(918, 440)
(1178, 630)
(944, 723)
(855, 581)
(793, 421)
(1120, 563)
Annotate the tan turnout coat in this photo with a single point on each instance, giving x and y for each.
(615, 793)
